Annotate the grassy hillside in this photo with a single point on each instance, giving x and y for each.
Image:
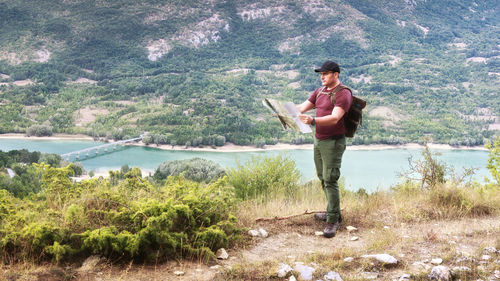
(193, 72)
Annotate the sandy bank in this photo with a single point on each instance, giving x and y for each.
(53, 137)
(229, 147)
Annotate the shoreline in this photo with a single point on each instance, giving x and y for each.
(229, 147)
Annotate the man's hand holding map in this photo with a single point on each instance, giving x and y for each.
(287, 114)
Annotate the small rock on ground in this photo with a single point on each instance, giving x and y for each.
(441, 273)
(385, 259)
(222, 254)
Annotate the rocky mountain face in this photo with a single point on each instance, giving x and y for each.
(406, 55)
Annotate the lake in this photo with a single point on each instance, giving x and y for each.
(368, 169)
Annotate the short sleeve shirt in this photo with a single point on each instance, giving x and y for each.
(324, 107)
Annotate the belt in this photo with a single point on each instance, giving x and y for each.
(337, 137)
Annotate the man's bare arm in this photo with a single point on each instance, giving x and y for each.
(328, 120)
(305, 106)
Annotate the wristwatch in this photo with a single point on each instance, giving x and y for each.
(313, 122)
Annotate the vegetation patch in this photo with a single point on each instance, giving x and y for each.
(128, 218)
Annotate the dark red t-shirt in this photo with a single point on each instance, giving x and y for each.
(324, 107)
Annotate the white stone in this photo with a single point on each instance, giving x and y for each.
(215, 267)
(386, 227)
(354, 238)
(263, 233)
(441, 273)
(222, 254)
(305, 272)
(179, 273)
(318, 233)
(437, 261)
(404, 277)
(292, 278)
(490, 250)
(283, 270)
(382, 258)
(332, 275)
(461, 269)
(351, 228)
(253, 233)
(349, 259)
(485, 257)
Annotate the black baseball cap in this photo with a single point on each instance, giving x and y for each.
(329, 66)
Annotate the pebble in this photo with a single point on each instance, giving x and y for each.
(351, 228)
(485, 257)
(263, 233)
(318, 233)
(349, 259)
(437, 261)
(354, 238)
(222, 254)
(385, 259)
(215, 267)
(283, 270)
(441, 273)
(179, 273)
(292, 278)
(305, 272)
(332, 275)
(405, 277)
(461, 269)
(490, 250)
(253, 233)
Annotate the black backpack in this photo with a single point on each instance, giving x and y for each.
(354, 116)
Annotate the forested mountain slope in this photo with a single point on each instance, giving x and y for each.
(196, 71)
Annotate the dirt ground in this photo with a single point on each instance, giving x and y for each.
(414, 245)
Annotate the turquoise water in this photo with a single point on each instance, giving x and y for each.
(368, 169)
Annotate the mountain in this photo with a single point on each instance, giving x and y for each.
(193, 72)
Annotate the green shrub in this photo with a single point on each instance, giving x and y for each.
(39, 131)
(265, 176)
(196, 169)
(494, 159)
(129, 218)
(429, 171)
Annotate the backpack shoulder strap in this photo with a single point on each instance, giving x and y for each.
(336, 90)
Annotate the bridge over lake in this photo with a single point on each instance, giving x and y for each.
(98, 150)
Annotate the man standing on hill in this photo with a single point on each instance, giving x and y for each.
(329, 141)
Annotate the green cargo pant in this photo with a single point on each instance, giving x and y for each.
(328, 158)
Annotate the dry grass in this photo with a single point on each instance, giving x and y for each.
(310, 197)
(406, 222)
(405, 204)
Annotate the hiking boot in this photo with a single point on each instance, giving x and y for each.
(330, 229)
(320, 216)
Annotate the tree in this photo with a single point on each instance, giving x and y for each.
(494, 159)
